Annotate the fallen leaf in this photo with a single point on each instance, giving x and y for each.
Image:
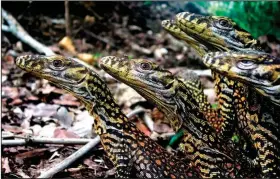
(67, 44)
(13, 129)
(5, 165)
(89, 20)
(16, 101)
(32, 153)
(86, 57)
(142, 127)
(10, 92)
(36, 129)
(47, 89)
(126, 96)
(66, 102)
(82, 126)
(64, 117)
(48, 130)
(22, 174)
(18, 112)
(42, 110)
(62, 133)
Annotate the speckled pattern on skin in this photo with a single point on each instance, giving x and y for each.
(216, 33)
(213, 156)
(127, 147)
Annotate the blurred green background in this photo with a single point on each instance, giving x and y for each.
(259, 18)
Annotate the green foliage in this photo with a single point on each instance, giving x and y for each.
(148, 3)
(258, 18)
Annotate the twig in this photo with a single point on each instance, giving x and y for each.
(45, 141)
(143, 50)
(203, 72)
(72, 158)
(79, 153)
(17, 30)
(135, 112)
(67, 18)
(99, 38)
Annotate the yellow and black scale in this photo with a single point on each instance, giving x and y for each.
(132, 153)
(214, 34)
(214, 156)
(130, 150)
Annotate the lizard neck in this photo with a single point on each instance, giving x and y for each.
(101, 104)
(194, 120)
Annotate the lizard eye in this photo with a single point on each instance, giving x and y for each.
(224, 24)
(146, 66)
(246, 65)
(57, 65)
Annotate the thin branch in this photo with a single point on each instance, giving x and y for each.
(17, 30)
(72, 158)
(135, 112)
(5, 28)
(40, 140)
(99, 38)
(67, 18)
(203, 72)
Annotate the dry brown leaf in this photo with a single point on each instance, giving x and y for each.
(32, 153)
(13, 129)
(127, 96)
(86, 57)
(89, 19)
(67, 44)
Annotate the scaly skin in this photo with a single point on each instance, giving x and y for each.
(126, 146)
(222, 34)
(213, 156)
(192, 82)
(223, 124)
(262, 71)
(229, 64)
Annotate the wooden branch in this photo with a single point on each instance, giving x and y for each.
(41, 140)
(17, 30)
(67, 19)
(79, 153)
(72, 158)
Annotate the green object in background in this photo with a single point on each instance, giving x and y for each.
(235, 138)
(97, 55)
(176, 137)
(258, 18)
(148, 3)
